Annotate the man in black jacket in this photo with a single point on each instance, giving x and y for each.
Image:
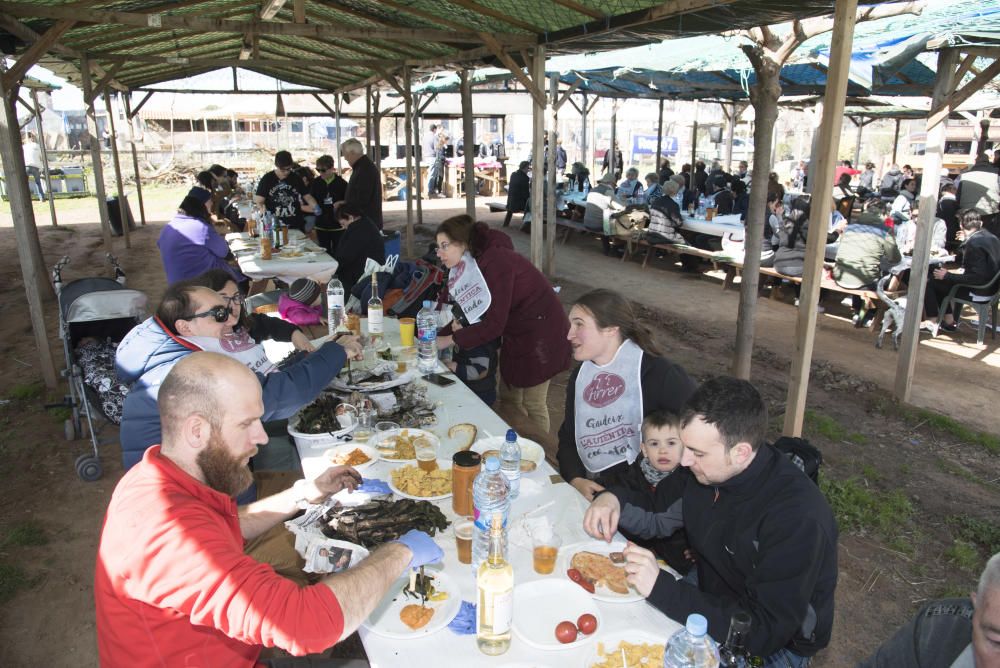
(518, 191)
(361, 240)
(980, 263)
(364, 190)
(764, 537)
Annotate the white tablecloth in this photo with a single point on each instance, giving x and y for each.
(716, 227)
(316, 265)
(564, 508)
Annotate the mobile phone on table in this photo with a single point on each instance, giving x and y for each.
(439, 380)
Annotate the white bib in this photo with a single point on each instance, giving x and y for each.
(240, 347)
(468, 288)
(608, 409)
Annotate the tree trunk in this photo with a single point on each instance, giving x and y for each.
(764, 97)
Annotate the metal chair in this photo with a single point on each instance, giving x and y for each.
(983, 305)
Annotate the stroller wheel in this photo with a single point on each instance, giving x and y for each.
(89, 468)
(69, 428)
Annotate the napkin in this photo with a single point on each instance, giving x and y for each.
(464, 623)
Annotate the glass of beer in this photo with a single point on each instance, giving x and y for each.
(709, 212)
(545, 544)
(463, 538)
(426, 454)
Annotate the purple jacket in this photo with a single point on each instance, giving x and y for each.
(190, 247)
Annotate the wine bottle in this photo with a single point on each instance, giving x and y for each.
(495, 594)
(375, 309)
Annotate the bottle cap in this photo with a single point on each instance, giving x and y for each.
(427, 303)
(492, 464)
(697, 625)
(511, 435)
(466, 458)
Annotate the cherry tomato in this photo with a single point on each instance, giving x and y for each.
(574, 575)
(587, 624)
(589, 586)
(565, 632)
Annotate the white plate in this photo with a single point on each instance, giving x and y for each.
(347, 448)
(443, 464)
(611, 640)
(384, 619)
(411, 432)
(601, 593)
(530, 450)
(540, 605)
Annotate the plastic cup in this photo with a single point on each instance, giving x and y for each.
(426, 454)
(462, 528)
(407, 327)
(709, 213)
(545, 548)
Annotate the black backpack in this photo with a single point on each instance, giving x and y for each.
(803, 454)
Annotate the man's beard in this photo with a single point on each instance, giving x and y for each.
(223, 472)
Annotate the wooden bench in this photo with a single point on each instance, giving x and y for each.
(674, 249)
(570, 226)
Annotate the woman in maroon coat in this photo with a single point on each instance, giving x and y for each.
(518, 305)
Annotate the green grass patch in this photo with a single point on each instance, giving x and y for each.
(860, 508)
(826, 426)
(954, 469)
(60, 413)
(27, 533)
(964, 555)
(982, 533)
(945, 425)
(870, 472)
(26, 392)
(13, 579)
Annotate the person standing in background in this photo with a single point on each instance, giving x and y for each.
(33, 163)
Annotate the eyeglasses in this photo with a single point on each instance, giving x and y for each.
(237, 299)
(220, 313)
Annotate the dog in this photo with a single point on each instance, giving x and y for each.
(894, 315)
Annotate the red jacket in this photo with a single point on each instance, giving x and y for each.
(173, 586)
(524, 310)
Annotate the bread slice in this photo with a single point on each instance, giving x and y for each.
(599, 570)
(465, 432)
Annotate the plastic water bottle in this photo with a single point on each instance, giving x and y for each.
(490, 495)
(427, 354)
(691, 647)
(701, 206)
(334, 304)
(510, 462)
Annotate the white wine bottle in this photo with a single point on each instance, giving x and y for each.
(495, 589)
(375, 312)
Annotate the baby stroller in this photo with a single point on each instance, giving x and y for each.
(94, 316)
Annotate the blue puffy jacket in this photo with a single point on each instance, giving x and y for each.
(148, 353)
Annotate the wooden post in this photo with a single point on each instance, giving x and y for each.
(819, 216)
(860, 121)
(895, 142)
(550, 179)
(45, 157)
(659, 139)
(944, 86)
(537, 156)
(95, 152)
(694, 141)
(584, 157)
(469, 134)
(730, 133)
(613, 160)
(336, 119)
(377, 129)
(814, 148)
(368, 123)
(135, 155)
(122, 206)
(28, 249)
(417, 149)
(408, 148)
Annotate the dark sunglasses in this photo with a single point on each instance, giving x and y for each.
(220, 313)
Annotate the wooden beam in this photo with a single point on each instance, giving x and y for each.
(169, 22)
(34, 52)
(498, 15)
(116, 162)
(622, 21)
(469, 140)
(45, 157)
(95, 155)
(812, 274)
(132, 113)
(537, 160)
(944, 87)
(271, 9)
(390, 79)
(33, 272)
(580, 8)
(943, 108)
(299, 10)
(497, 50)
(99, 87)
(565, 96)
(549, 255)
(966, 65)
(408, 151)
(427, 16)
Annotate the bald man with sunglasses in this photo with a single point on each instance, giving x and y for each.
(192, 318)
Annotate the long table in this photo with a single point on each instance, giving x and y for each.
(314, 263)
(540, 489)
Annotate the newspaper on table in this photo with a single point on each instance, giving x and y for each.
(385, 367)
(322, 554)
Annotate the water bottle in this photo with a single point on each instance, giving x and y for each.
(334, 304)
(490, 495)
(701, 206)
(691, 647)
(427, 354)
(510, 462)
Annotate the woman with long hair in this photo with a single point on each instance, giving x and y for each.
(622, 377)
(189, 244)
(502, 294)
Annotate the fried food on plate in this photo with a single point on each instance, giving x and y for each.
(416, 482)
(599, 570)
(416, 616)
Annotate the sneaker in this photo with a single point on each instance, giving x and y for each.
(949, 327)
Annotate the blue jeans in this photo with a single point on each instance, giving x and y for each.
(784, 658)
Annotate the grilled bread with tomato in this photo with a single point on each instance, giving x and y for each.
(599, 570)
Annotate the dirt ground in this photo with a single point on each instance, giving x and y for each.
(917, 495)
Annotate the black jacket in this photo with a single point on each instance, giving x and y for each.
(360, 241)
(665, 385)
(981, 260)
(518, 191)
(263, 327)
(766, 543)
(365, 189)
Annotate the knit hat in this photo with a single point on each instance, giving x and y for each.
(200, 194)
(304, 290)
